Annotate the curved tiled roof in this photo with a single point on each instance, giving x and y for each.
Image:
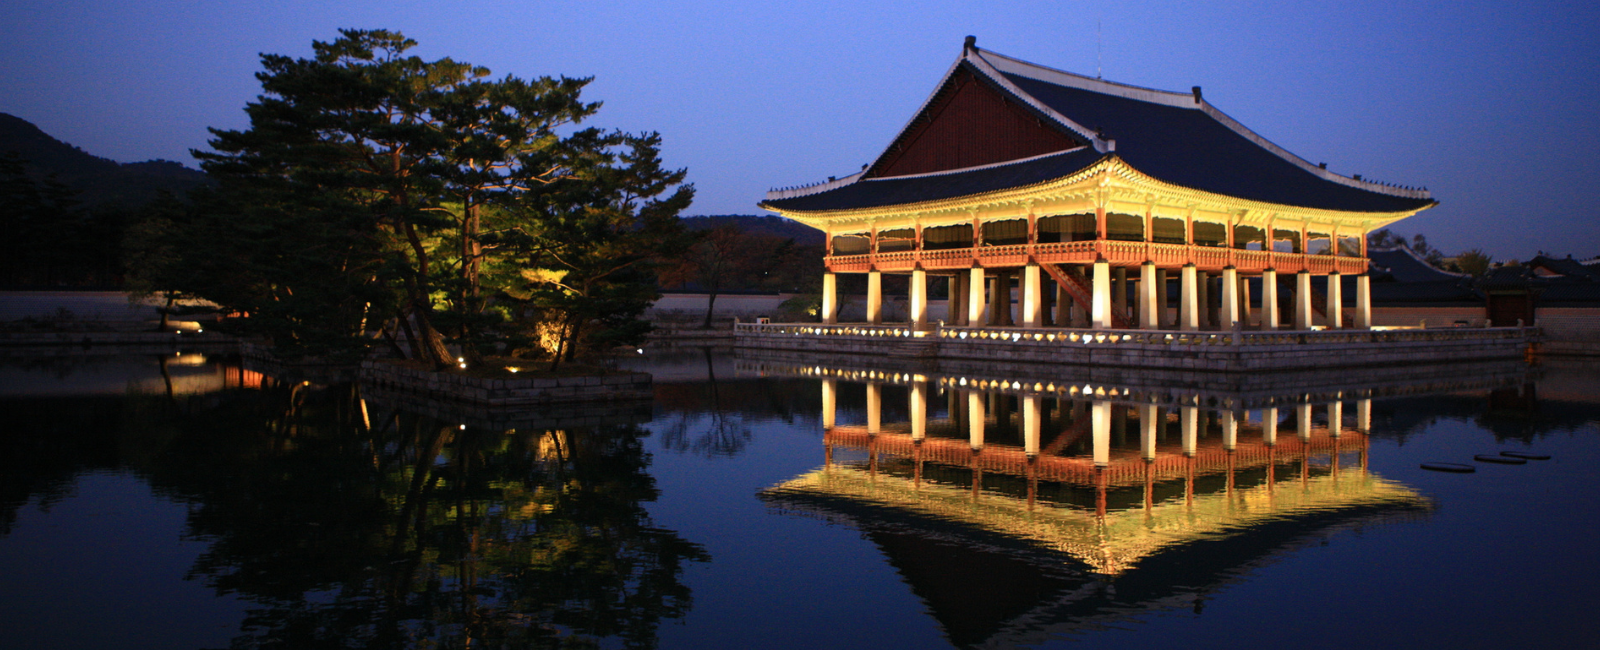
(899, 190)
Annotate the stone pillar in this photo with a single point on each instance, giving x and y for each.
(975, 419)
(830, 298)
(1100, 421)
(874, 407)
(1335, 301)
(1336, 419)
(830, 402)
(1303, 421)
(917, 402)
(1149, 420)
(1032, 316)
(1270, 320)
(1000, 299)
(1149, 313)
(1100, 311)
(1269, 426)
(975, 298)
(1032, 413)
(1364, 415)
(1119, 291)
(1189, 423)
(919, 299)
(1161, 298)
(1363, 320)
(1188, 300)
(1244, 301)
(1302, 300)
(1228, 315)
(1230, 429)
(875, 297)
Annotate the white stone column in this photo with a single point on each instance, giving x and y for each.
(1302, 300)
(1101, 309)
(1303, 420)
(1188, 300)
(875, 297)
(1032, 300)
(956, 308)
(1336, 419)
(919, 299)
(1032, 413)
(830, 402)
(830, 298)
(1244, 301)
(1364, 415)
(975, 419)
(1363, 320)
(1230, 429)
(1149, 314)
(1161, 298)
(1335, 301)
(1269, 426)
(874, 407)
(917, 402)
(1229, 312)
(1149, 420)
(1269, 300)
(976, 298)
(1100, 420)
(1189, 422)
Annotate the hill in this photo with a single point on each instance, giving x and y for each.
(756, 224)
(99, 181)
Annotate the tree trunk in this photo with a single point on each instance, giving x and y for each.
(711, 302)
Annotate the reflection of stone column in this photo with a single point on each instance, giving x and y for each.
(919, 299)
(1303, 420)
(1189, 422)
(1364, 415)
(1149, 419)
(1149, 314)
(1032, 413)
(918, 403)
(1269, 300)
(1269, 426)
(1230, 429)
(830, 298)
(975, 298)
(1101, 423)
(830, 391)
(975, 419)
(1335, 301)
(1228, 315)
(1100, 311)
(874, 297)
(874, 407)
(1363, 302)
(1032, 316)
(1336, 419)
(1189, 299)
(1302, 300)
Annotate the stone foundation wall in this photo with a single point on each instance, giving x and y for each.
(618, 386)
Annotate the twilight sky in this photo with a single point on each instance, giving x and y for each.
(1491, 105)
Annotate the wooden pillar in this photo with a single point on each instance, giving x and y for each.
(1228, 315)
(1270, 317)
(975, 298)
(1363, 320)
(1149, 314)
(1000, 299)
(1302, 300)
(830, 298)
(1063, 307)
(919, 299)
(1101, 309)
(875, 297)
(1032, 309)
(1188, 300)
(1203, 299)
(1335, 301)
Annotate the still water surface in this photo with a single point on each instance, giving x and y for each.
(184, 501)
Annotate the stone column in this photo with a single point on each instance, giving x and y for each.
(830, 402)
(919, 299)
(1302, 300)
(1244, 301)
(1269, 426)
(874, 407)
(1000, 299)
(1149, 419)
(1119, 291)
(830, 298)
(1063, 307)
(1230, 429)
(1100, 421)
(1336, 419)
(975, 419)
(917, 402)
(1363, 320)
(1101, 309)
(1032, 413)
(1203, 299)
(1189, 423)
(1269, 300)
(1032, 316)
(1188, 300)
(1161, 298)
(1149, 314)
(875, 297)
(1335, 301)
(975, 298)
(1303, 421)
(1228, 315)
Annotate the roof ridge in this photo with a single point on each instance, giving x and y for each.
(959, 170)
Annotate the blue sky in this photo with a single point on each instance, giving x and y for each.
(1492, 106)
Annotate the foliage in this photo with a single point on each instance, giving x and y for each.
(1474, 262)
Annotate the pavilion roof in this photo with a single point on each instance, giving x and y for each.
(1177, 138)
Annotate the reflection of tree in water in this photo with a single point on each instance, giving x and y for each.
(421, 534)
(726, 433)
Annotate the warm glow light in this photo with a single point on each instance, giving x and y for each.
(513, 368)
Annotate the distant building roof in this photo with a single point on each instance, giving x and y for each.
(1401, 264)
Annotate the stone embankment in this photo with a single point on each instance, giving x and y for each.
(616, 386)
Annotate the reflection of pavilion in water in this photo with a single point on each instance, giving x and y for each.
(1014, 509)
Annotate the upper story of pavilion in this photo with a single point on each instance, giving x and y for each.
(1009, 163)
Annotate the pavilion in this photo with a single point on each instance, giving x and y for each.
(1090, 195)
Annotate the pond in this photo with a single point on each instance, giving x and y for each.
(187, 500)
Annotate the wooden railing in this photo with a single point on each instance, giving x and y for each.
(1118, 337)
(1118, 253)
